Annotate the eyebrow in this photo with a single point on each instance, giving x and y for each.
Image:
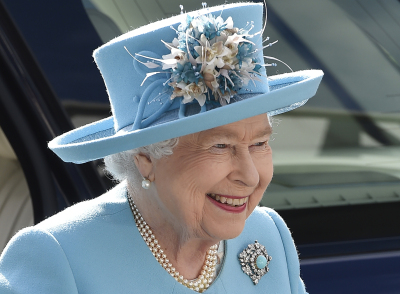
(266, 132)
(229, 135)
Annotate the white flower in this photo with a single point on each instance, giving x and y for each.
(210, 75)
(230, 32)
(236, 39)
(229, 23)
(175, 42)
(247, 65)
(225, 98)
(230, 59)
(233, 49)
(179, 89)
(246, 71)
(211, 54)
(221, 38)
(176, 56)
(195, 91)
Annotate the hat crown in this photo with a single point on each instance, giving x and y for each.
(123, 75)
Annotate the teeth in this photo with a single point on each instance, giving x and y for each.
(229, 201)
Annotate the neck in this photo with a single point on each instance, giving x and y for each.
(185, 251)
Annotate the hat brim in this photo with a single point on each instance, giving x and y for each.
(99, 139)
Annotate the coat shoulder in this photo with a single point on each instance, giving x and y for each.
(110, 203)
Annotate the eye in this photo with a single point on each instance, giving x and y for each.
(260, 143)
(220, 146)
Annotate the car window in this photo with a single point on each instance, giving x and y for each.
(342, 148)
(15, 203)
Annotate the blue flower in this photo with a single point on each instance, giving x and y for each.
(238, 82)
(209, 26)
(257, 66)
(191, 43)
(185, 25)
(244, 51)
(187, 73)
(226, 85)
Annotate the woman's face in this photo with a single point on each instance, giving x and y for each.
(209, 172)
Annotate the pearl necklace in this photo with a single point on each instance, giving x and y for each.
(202, 282)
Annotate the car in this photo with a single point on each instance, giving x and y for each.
(336, 159)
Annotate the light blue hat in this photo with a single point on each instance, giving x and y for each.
(183, 75)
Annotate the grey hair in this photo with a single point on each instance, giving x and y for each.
(121, 166)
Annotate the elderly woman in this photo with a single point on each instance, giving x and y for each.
(188, 140)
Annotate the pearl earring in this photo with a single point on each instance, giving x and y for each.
(146, 183)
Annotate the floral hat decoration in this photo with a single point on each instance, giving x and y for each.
(183, 75)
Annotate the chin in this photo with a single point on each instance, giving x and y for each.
(229, 232)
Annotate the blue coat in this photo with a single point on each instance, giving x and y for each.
(95, 247)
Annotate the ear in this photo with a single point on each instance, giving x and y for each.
(145, 166)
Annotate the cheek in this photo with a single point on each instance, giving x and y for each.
(264, 166)
(185, 183)
(265, 171)
(201, 172)
(181, 200)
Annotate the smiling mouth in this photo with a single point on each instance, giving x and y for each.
(234, 202)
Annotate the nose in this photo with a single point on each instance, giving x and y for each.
(244, 170)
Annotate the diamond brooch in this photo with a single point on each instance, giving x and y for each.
(254, 261)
